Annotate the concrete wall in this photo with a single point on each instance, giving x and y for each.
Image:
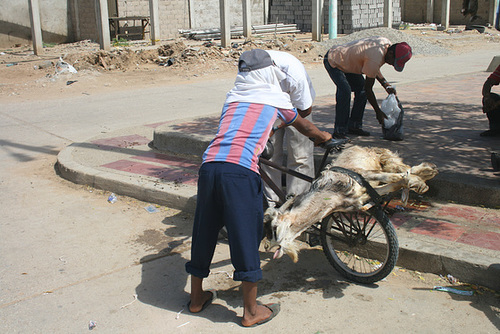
(415, 11)
(15, 27)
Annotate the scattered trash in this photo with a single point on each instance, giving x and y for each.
(62, 260)
(184, 324)
(453, 290)
(11, 64)
(451, 279)
(151, 209)
(112, 198)
(229, 275)
(179, 314)
(69, 82)
(44, 64)
(135, 298)
(63, 67)
(92, 325)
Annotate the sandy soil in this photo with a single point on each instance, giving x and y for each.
(139, 64)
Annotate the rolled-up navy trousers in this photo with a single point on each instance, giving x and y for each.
(228, 195)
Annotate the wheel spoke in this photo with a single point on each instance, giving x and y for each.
(360, 246)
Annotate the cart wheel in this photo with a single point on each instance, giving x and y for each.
(362, 246)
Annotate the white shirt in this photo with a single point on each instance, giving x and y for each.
(286, 85)
(297, 82)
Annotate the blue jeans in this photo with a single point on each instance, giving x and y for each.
(346, 83)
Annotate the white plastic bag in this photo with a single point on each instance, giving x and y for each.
(390, 108)
(64, 67)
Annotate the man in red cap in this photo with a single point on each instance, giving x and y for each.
(346, 65)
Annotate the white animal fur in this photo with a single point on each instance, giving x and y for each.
(336, 191)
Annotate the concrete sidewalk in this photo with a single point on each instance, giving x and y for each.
(436, 235)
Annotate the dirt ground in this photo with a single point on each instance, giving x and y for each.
(139, 64)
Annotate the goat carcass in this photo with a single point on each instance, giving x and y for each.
(337, 191)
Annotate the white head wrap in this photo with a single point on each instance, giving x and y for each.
(260, 86)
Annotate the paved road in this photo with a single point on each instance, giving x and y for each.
(70, 257)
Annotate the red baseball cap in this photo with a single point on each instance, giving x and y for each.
(402, 54)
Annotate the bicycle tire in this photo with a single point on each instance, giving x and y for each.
(361, 246)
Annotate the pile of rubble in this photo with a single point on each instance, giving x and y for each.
(179, 53)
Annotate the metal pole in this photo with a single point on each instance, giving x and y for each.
(332, 19)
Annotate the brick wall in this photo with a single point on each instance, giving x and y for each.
(357, 15)
(298, 12)
(352, 15)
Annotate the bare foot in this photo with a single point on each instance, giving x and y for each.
(261, 314)
(198, 303)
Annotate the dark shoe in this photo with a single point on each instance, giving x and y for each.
(358, 132)
(339, 136)
(490, 133)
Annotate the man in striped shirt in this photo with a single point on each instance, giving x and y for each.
(230, 191)
(491, 104)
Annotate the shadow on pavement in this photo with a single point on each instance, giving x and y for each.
(164, 279)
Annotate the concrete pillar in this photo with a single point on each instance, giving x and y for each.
(154, 21)
(445, 14)
(430, 11)
(247, 22)
(493, 11)
(225, 29)
(317, 18)
(388, 13)
(101, 9)
(36, 28)
(266, 11)
(76, 25)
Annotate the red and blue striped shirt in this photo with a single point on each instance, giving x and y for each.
(243, 132)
